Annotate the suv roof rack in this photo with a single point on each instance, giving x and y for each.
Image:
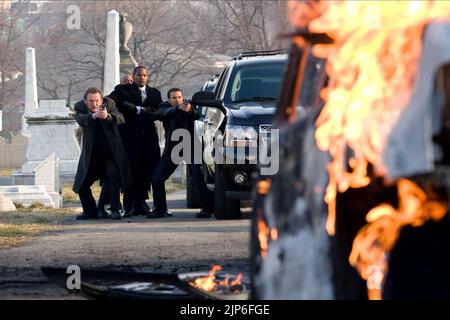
(247, 54)
(214, 77)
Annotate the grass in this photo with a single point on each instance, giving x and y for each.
(19, 226)
(70, 197)
(6, 172)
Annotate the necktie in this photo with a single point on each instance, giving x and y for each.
(143, 95)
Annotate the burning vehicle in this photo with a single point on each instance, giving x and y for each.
(359, 209)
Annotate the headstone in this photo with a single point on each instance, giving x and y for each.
(31, 100)
(52, 129)
(26, 195)
(111, 76)
(6, 204)
(46, 188)
(47, 175)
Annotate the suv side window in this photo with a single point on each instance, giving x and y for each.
(221, 82)
(236, 86)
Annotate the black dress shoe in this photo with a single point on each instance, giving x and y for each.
(145, 205)
(203, 214)
(85, 216)
(115, 215)
(166, 213)
(102, 214)
(139, 211)
(126, 214)
(155, 214)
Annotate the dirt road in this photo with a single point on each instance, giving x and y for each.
(179, 243)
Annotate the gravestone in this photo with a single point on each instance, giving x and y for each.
(47, 175)
(112, 58)
(46, 188)
(6, 204)
(52, 130)
(26, 195)
(31, 100)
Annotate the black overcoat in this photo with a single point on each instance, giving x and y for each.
(110, 127)
(139, 132)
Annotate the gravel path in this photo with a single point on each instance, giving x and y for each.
(180, 243)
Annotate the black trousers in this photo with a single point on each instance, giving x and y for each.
(100, 168)
(165, 169)
(147, 160)
(104, 197)
(206, 195)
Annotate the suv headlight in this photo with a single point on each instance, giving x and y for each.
(240, 136)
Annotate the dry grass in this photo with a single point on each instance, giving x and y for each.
(71, 197)
(6, 172)
(19, 226)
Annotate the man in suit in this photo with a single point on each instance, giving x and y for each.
(177, 113)
(102, 156)
(139, 103)
(103, 198)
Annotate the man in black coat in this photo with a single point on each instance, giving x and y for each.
(139, 103)
(177, 113)
(102, 156)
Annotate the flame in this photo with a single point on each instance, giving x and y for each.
(265, 234)
(225, 282)
(263, 237)
(378, 237)
(372, 67)
(263, 187)
(209, 283)
(237, 281)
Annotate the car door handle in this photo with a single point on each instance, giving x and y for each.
(208, 122)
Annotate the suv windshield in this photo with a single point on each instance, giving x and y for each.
(255, 83)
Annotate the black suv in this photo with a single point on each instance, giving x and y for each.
(241, 107)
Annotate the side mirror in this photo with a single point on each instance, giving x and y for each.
(207, 99)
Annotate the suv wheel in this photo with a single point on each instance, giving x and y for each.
(224, 208)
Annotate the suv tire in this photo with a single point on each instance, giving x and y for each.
(224, 208)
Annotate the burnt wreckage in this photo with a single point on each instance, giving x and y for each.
(388, 237)
(293, 256)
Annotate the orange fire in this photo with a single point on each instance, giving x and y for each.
(378, 237)
(372, 67)
(265, 234)
(210, 284)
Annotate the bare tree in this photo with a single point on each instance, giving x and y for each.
(15, 33)
(230, 26)
(178, 40)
